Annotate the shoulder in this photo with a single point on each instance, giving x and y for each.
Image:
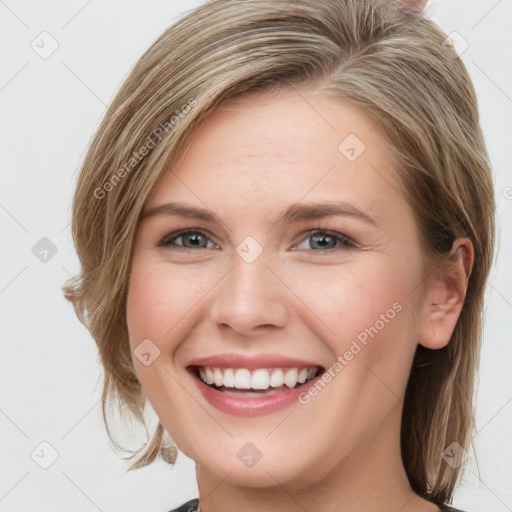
(190, 506)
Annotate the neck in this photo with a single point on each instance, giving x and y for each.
(371, 477)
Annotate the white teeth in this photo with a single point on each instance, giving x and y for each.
(290, 377)
(277, 379)
(261, 378)
(243, 379)
(209, 376)
(229, 378)
(218, 378)
(303, 375)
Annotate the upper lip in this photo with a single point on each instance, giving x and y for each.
(252, 362)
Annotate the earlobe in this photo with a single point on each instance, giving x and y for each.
(444, 297)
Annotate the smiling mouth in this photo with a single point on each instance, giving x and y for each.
(244, 382)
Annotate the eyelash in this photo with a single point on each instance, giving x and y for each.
(169, 240)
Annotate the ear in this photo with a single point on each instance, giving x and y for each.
(444, 296)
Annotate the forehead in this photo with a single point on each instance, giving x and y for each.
(279, 148)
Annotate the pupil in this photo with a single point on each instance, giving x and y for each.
(322, 237)
(195, 237)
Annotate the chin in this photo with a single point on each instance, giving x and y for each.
(274, 469)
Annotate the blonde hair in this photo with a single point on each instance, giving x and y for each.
(391, 64)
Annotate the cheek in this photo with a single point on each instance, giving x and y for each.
(347, 299)
(165, 303)
(146, 303)
(158, 298)
(365, 311)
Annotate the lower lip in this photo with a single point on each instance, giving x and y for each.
(252, 405)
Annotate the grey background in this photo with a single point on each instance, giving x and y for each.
(50, 379)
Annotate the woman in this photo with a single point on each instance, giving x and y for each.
(285, 225)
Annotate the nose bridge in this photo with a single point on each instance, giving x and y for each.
(250, 296)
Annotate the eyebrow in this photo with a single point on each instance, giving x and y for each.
(295, 213)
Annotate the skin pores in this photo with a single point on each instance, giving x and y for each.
(305, 297)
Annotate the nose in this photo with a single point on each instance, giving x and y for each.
(251, 297)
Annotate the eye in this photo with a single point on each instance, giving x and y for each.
(191, 239)
(321, 240)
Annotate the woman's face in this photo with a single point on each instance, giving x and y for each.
(250, 293)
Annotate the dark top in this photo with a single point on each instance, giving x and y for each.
(193, 506)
